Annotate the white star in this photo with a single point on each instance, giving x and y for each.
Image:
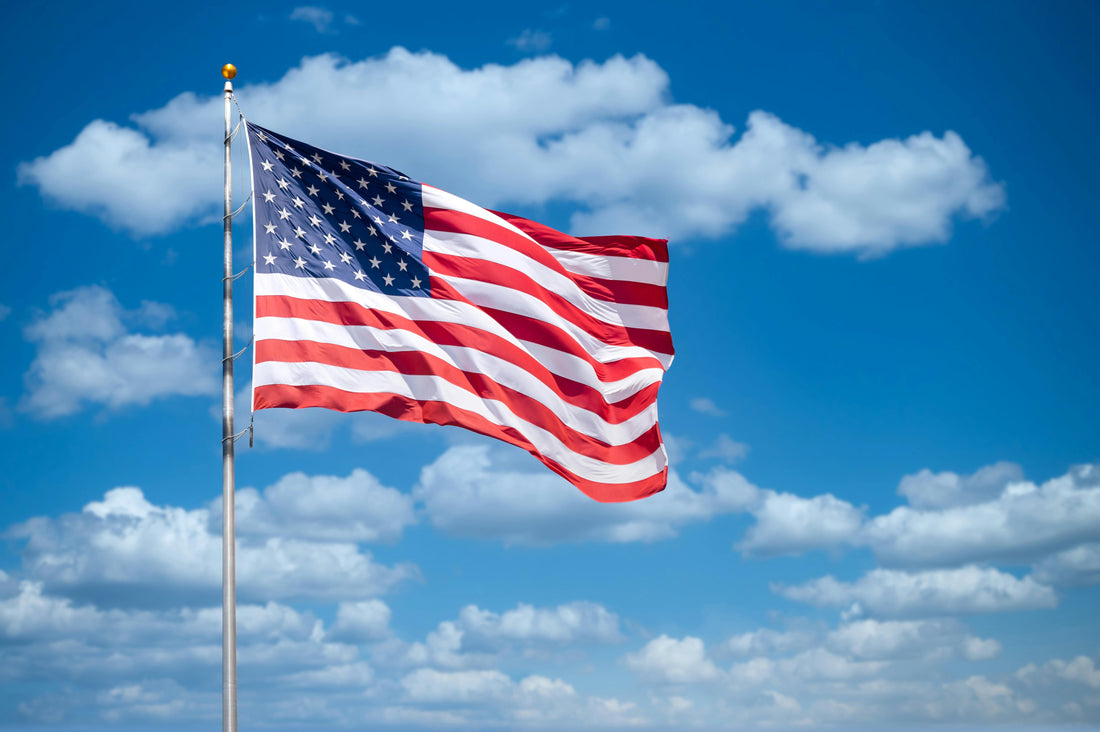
(269, 258)
(299, 203)
(284, 243)
(305, 161)
(363, 182)
(378, 220)
(401, 177)
(299, 232)
(374, 262)
(328, 209)
(262, 136)
(321, 176)
(300, 263)
(406, 235)
(388, 279)
(278, 153)
(270, 228)
(268, 196)
(408, 206)
(359, 244)
(391, 218)
(296, 173)
(344, 165)
(313, 190)
(416, 283)
(373, 172)
(387, 247)
(377, 200)
(314, 220)
(267, 166)
(391, 188)
(316, 158)
(329, 238)
(345, 257)
(282, 183)
(360, 276)
(345, 227)
(314, 248)
(373, 231)
(291, 150)
(403, 265)
(284, 214)
(355, 213)
(339, 194)
(329, 265)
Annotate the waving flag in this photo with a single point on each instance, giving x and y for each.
(375, 292)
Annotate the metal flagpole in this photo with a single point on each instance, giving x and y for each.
(229, 574)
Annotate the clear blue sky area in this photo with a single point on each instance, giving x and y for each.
(885, 508)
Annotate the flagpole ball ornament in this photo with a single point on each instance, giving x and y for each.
(229, 71)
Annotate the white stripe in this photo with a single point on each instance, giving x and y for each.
(517, 302)
(448, 311)
(433, 388)
(628, 269)
(435, 198)
(498, 369)
(477, 247)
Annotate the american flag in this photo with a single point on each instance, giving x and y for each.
(375, 292)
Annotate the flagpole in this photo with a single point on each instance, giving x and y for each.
(229, 574)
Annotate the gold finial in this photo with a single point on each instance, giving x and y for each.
(229, 71)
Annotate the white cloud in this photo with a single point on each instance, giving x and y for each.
(126, 547)
(603, 137)
(669, 660)
(320, 18)
(928, 490)
(601, 24)
(361, 621)
(706, 406)
(322, 507)
(726, 449)
(5, 311)
(962, 591)
(500, 493)
(1022, 522)
(894, 639)
(565, 624)
(1077, 566)
(790, 524)
(479, 638)
(86, 355)
(531, 41)
(766, 642)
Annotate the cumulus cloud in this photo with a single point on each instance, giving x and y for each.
(128, 549)
(604, 138)
(489, 492)
(1077, 566)
(479, 638)
(322, 507)
(86, 354)
(790, 524)
(962, 591)
(673, 661)
(726, 449)
(993, 516)
(894, 639)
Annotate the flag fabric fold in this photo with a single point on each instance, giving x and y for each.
(375, 292)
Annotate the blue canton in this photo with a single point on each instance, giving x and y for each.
(319, 214)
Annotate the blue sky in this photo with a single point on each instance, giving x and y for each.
(885, 499)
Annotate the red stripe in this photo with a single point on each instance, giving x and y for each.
(625, 292)
(634, 247)
(450, 265)
(434, 412)
(418, 363)
(455, 334)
